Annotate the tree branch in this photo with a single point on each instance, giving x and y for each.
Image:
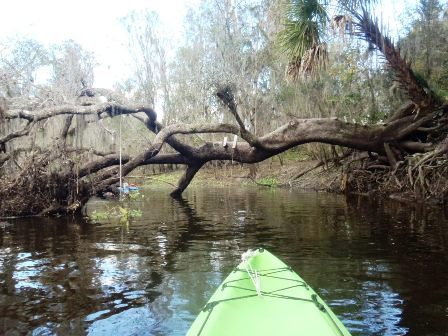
(185, 180)
(110, 108)
(4, 158)
(227, 97)
(101, 110)
(17, 134)
(104, 162)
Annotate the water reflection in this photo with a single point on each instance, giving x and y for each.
(381, 267)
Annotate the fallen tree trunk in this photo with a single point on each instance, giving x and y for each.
(59, 184)
(101, 174)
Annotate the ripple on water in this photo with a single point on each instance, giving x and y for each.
(134, 321)
(381, 267)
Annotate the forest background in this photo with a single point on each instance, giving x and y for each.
(232, 54)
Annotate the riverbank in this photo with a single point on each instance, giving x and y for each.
(295, 174)
(302, 174)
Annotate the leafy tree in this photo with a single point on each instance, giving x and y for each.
(426, 44)
(20, 61)
(304, 35)
(72, 67)
(147, 49)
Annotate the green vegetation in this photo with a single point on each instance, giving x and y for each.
(122, 213)
(170, 178)
(295, 154)
(268, 182)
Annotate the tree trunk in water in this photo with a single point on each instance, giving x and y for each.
(186, 178)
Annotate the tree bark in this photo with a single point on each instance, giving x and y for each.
(185, 180)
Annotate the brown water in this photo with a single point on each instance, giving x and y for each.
(382, 267)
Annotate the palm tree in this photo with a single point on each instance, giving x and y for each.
(303, 40)
(305, 31)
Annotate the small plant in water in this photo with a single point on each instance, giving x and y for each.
(123, 213)
(268, 181)
(134, 195)
(97, 216)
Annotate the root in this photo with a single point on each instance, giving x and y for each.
(421, 177)
(47, 183)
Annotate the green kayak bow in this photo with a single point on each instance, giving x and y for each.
(263, 296)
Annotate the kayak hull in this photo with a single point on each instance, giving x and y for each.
(263, 296)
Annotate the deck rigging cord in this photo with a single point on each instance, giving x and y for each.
(120, 170)
(253, 274)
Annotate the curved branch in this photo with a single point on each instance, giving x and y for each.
(17, 134)
(228, 99)
(185, 180)
(104, 162)
(297, 132)
(156, 127)
(109, 109)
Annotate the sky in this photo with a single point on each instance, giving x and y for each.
(95, 25)
(92, 23)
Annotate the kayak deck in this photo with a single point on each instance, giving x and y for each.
(263, 296)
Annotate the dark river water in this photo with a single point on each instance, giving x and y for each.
(381, 266)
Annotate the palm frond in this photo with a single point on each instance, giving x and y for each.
(353, 5)
(342, 24)
(303, 10)
(303, 27)
(298, 37)
(313, 59)
(368, 29)
(301, 40)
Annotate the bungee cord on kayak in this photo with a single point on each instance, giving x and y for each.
(253, 274)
